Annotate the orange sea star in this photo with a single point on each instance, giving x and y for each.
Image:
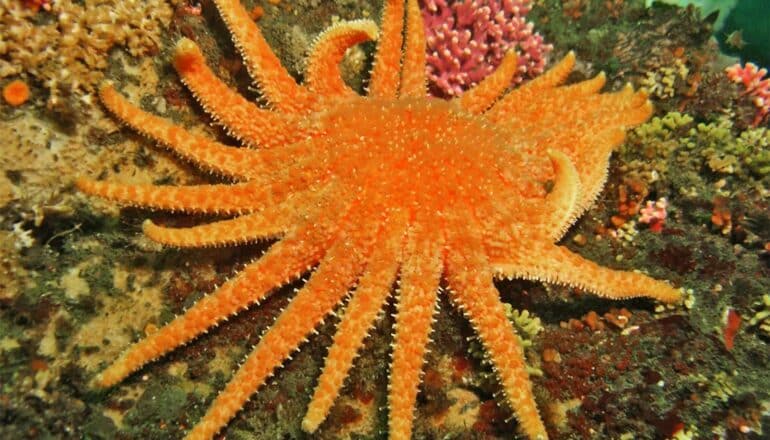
(393, 186)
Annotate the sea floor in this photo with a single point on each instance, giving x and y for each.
(79, 282)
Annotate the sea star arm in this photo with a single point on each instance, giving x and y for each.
(230, 161)
(475, 294)
(590, 145)
(244, 120)
(283, 262)
(263, 65)
(550, 109)
(242, 229)
(413, 77)
(358, 318)
(587, 87)
(530, 106)
(326, 288)
(417, 301)
(270, 222)
(557, 264)
(625, 108)
(635, 110)
(211, 199)
(514, 99)
(323, 74)
(469, 277)
(479, 98)
(384, 79)
(553, 77)
(236, 198)
(561, 201)
(597, 149)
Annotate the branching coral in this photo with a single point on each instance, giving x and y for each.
(755, 85)
(468, 40)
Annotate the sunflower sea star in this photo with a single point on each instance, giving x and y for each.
(393, 186)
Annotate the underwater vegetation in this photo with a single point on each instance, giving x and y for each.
(686, 200)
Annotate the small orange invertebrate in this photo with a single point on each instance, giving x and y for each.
(732, 325)
(256, 12)
(16, 93)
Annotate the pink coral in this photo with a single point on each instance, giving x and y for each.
(756, 85)
(654, 214)
(468, 39)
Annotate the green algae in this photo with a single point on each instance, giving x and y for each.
(162, 405)
(99, 427)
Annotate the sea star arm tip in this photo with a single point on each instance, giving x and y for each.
(281, 264)
(384, 80)
(589, 86)
(557, 264)
(562, 200)
(323, 74)
(413, 76)
(263, 65)
(239, 163)
(470, 280)
(554, 76)
(241, 229)
(243, 119)
(187, 56)
(479, 98)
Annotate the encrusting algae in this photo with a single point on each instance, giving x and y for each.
(370, 190)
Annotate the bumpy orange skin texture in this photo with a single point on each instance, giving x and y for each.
(372, 190)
